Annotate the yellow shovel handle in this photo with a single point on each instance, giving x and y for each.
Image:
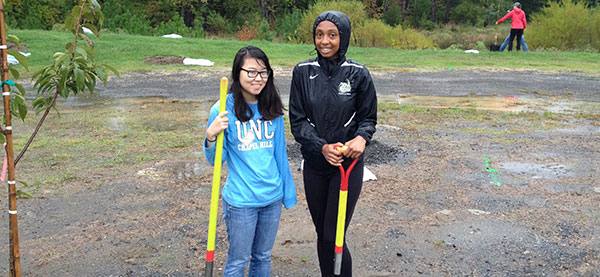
(216, 187)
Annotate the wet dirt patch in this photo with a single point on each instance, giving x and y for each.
(126, 183)
(164, 60)
(178, 170)
(537, 171)
(560, 188)
(508, 103)
(509, 249)
(494, 203)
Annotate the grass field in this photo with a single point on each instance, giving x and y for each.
(127, 52)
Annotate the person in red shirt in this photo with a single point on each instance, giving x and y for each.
(518, 24)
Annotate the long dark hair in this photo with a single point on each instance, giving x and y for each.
(269, 101)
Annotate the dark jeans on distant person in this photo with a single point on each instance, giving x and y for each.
(505, 43)
(322, 188)
(515, 33)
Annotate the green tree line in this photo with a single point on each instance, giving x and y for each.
(285, 20)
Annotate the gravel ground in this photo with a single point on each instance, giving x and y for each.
(434, 209)
(193, 84)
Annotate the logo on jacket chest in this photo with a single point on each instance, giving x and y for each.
(344, 88)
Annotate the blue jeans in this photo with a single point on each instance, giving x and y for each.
(251, 232)
(507, 40)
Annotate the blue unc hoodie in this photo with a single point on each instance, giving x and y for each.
(256, 156)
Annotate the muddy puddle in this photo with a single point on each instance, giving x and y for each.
(513, 104)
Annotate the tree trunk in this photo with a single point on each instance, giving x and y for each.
(385, 6)
(448, 5)
(487, 12)
(263, 7)
(433, 8)
(267, 11)
(187, 15)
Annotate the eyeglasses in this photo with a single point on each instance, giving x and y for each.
(253, 73)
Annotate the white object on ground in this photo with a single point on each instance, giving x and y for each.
(87, 30)
(472, 51)
(172, 36)
(445, 212)
(368, 175)
(478, 212)
(12, 60)
(203, 62)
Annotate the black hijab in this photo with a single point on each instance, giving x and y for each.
(342, 22)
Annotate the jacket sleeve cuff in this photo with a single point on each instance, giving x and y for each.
(365, 136)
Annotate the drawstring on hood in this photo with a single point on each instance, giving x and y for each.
(342, 22)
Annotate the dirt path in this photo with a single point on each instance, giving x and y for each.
(193, 84)
(435, 209)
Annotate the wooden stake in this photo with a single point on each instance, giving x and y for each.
(15, 258)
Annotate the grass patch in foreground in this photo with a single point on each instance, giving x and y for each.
(86, 142)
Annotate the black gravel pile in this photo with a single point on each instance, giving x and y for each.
(376, 153)
(381, 153)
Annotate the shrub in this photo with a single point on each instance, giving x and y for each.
(264, 31)
(247, 32)
(31, 22)
(197, 31)
(354, 9)
(173, 26)
(595, 26)
(40, 14)
(138, 24)
(59, 27)
(286, 25)
(468, 12)
(425, 23)
(216, 24)
(371, 33)
(125, 15)
(393, 16)
(420, 10)
(408, 39)
(563, 26)
(464, 36)
(375, 33)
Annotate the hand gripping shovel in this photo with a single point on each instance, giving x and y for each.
(216, 186)
(341, 218)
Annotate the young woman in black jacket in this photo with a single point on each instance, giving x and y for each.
(333, 103)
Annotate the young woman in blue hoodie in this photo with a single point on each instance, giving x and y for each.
(333, 103)
(254, 147)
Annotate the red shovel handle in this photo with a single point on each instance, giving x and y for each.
(341, 218)
(345, 174)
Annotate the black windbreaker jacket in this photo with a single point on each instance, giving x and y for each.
(331, 100)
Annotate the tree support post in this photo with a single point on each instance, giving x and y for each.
(15, 258)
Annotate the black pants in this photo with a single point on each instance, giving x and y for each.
(515, 33)
(322, 188)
